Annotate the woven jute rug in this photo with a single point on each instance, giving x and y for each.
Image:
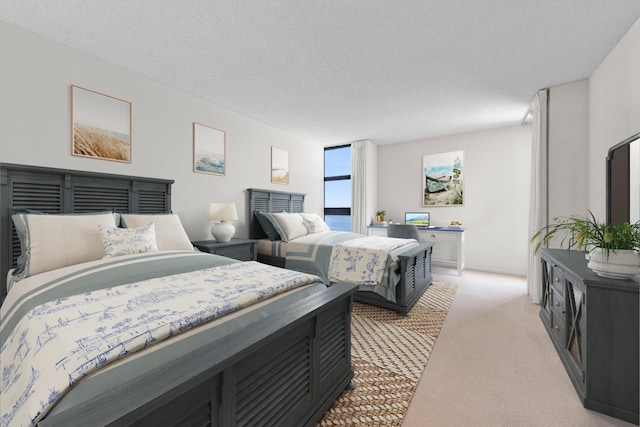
(389, 353)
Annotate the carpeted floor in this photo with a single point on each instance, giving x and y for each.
(389, 353)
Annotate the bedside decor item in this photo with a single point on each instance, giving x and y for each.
(100, 126)
(209, 150)
(279, 166)
(613, 248)
(380, 215)
(442, 179)
(223, 212)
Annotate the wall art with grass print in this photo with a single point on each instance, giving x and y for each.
(279, 166)
(209, 150)
(443, 179)
(101, 126)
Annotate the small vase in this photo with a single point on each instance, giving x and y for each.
(618, 264)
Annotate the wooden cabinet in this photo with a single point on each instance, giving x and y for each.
(593, 324)
(240, 249)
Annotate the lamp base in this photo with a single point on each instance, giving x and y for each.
(223, 231)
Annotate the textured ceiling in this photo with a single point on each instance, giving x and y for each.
(335, 71)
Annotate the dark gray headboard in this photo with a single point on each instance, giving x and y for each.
(271, 201)
(68, 191)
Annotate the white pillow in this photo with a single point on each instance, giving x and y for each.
(49, 242)
(288, 225)
(127, 241)
(170, 233)
(313, 223)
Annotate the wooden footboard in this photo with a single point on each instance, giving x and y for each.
(285, 371)
(415, 278)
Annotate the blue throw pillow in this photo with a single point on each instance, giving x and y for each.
(267, 226)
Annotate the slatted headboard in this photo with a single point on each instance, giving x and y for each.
(271, 201)
(68, 191)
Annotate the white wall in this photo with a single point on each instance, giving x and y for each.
(35, 115)
(496, 166)
(568, 142)
(614, 110)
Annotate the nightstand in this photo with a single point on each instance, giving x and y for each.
(240, 249)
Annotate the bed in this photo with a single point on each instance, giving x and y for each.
(276, 361)
(407, 274)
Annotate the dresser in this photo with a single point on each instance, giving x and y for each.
(593, 324)
(448, 244)
(240, 249)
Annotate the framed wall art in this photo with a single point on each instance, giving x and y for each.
(443, 179)
(100, 126)
(279, 166)
(209, 150)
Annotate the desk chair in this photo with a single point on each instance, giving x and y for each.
(404, 231)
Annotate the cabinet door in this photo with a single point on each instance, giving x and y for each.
(575, 342)
(545, 310)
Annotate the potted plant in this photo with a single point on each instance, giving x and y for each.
(613, 249)
(380, 215)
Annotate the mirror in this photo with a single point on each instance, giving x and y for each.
(623, 181)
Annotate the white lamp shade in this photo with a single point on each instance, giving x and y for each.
(223, 212)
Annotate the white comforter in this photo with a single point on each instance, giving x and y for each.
(363, 261)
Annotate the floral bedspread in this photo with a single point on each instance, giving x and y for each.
(57, 343)
(363, 261)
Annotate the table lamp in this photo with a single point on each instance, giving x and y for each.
(223, 231)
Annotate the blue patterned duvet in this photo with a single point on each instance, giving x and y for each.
(317, 254)
(54, 333)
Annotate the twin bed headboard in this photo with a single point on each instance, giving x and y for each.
(271, 201)
(52, 190)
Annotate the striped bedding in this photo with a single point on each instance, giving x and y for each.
(59, 327)
(313, 254)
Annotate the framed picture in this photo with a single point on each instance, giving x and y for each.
(209, 150)
(279, 166)
(443, 179)
(100, 126)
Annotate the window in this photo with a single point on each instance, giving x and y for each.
(337, 187)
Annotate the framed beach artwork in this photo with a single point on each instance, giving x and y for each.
(443, 179)
(100, 126)
(279, 166)
(209, 150)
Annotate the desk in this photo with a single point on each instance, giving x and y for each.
(448, 243)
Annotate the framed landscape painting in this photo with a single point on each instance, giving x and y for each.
(279, 166)
(101, 126)
(209, 150)
(443, 179)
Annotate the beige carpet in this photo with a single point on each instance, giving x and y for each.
(389, 353)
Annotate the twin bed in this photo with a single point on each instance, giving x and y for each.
(152, 334)
(402, 276)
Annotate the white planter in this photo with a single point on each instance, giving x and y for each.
(620, 264)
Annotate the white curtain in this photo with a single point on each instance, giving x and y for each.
(359, 187)
(538, 217)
